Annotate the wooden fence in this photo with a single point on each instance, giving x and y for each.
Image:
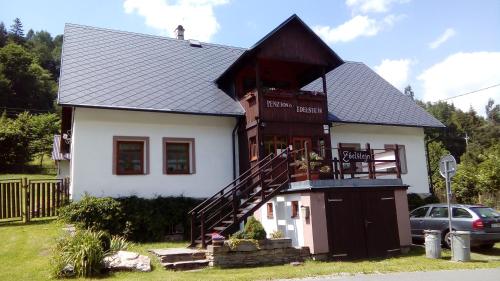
(23, 199)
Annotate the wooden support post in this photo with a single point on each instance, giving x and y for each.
(203, 242)
(235, 208)
(369, 162)
(288, 162)
(26, 200)
(398, 164)
(193, 221)
(335, 168)
(308, 164)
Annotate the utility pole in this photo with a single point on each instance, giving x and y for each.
(466, 140)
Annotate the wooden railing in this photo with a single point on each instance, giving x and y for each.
(223, 212)
(373, 163)
(23, 199)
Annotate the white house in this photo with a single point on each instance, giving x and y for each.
(149, 115)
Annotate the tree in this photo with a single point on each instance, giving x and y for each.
(488, 176)
(16, 31)
(492, 112)
(436, 150)
(30, 86)
(3, 35)
(43, 128)
(409, 92)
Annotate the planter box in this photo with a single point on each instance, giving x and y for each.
(246, 253)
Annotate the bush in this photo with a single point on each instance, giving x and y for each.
(277, 234)
(153, 219)
(415, 201)
(254, 229)
(137, 219)
(95, 213)
(83, 252)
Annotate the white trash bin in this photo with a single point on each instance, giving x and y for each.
(460, 245)
(432, 244)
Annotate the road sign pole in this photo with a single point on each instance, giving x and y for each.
(448, 199)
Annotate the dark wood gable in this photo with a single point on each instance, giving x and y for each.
(295, 42)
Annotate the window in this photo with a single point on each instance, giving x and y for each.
(419, 213)
(270, 211)
(253, 148)
(402, 157)
(130, 155)
(439, 212)
(295, 209)
(178, 156)
(274, 144)
(461, 213)
(485, 212)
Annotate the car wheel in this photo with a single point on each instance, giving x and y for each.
(447, 240)
(486, 246)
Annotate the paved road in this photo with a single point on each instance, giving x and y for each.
(445, 275)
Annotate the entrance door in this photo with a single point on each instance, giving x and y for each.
(299, 143)
(362, 223)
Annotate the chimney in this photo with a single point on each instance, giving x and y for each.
(179, 32)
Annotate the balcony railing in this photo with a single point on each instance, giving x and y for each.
(314, 164)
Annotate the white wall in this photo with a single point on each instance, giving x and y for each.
(291, 227)
(378, 136)
(92, 149)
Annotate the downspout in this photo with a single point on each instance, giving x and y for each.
(429, 174)
(235, 129)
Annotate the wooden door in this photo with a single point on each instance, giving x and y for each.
(380, 223)
(362, 223)
(299, 143)
(345, 225)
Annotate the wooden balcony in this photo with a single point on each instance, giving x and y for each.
(347, 163)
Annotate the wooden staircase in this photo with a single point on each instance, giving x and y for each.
(224, 211)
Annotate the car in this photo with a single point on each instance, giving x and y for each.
(482, 222)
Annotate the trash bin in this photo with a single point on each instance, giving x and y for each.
(432, 244)
(460, 245)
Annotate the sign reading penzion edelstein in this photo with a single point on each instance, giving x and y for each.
(298, 108)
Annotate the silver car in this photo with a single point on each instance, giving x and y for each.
(483, 222)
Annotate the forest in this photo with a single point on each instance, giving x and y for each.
(29, 72)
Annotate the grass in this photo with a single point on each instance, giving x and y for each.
(29, 176)
(26, 251)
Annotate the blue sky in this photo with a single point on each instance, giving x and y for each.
(441, 48)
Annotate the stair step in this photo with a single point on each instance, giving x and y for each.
(186, 265)
(178, 255)
(219, 228)
(227, 222)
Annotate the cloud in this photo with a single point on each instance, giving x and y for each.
(358, 26)
(197, 16)
(460, 73)
(395, 71)
(373, 6)
(447, 34)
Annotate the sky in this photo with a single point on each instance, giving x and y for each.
(442, 48)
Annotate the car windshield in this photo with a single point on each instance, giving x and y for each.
(486, 213)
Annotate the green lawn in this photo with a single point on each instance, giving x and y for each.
(25, 252)
(29, 176)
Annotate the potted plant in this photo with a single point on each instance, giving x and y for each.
(315, 164)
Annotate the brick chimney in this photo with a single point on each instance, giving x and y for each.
(179, 32)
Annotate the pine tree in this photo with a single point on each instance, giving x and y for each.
(16, 31)
(409, 92)
(3, 35)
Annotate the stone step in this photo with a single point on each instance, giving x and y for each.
(186, 265)
(178, 255)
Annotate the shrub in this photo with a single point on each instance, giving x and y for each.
(277, 234)
(414, 201)
(118, 243)
(96, 213)
(254, 229)
(152, 219)
(83, 252)
(431, 199)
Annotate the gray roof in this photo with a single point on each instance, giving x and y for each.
(357, 94)
(115, 69)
